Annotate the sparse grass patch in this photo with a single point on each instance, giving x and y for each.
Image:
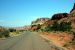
(16, 33)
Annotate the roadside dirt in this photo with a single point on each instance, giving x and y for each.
(59, 39)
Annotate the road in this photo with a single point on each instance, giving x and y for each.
(26, 41)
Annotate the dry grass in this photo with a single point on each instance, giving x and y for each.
(12, 34)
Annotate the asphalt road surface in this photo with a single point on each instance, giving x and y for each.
(26, 41)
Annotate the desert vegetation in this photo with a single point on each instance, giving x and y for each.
(8, 32)
(63, 26)
(60, 29)
(4, 32)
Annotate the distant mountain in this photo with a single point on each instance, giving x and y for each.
(23, 28)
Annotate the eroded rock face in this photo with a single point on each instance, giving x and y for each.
(66, 17)
(35, 27)
(73, 8)
(72, 12)
(40, 21)
(59, 16)
(49, 22)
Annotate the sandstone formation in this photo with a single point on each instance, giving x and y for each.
(40, 21)
(59, 16)
(73, 8)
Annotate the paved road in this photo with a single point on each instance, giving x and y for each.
(27, 41)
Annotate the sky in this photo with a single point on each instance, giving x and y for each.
(18, 13)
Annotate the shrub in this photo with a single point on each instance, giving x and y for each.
(12, 30)
(63, 26)
(4, 32)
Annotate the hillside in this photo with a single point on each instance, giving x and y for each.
(60, 29)
(59, 17)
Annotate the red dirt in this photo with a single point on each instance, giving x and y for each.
(59, 38)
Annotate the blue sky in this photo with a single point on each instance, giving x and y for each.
(17, 13)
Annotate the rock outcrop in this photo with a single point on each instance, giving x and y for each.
(59, 16)
(40, 21)
(73, 8)
(35, 27)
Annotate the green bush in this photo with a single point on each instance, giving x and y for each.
(63, 26)
(4, 33)
(12, 30)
